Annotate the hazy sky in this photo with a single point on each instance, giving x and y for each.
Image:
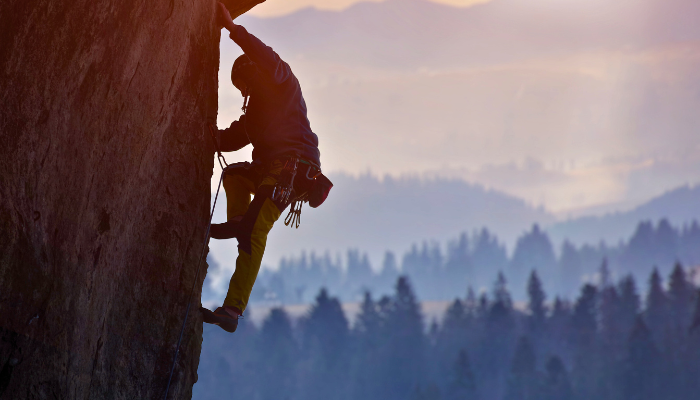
(273, 8)
(599, 126)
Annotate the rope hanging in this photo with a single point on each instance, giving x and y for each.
(199, 263)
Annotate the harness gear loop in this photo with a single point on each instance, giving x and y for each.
(293, 218)
(284, 187)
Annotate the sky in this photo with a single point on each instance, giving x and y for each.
(275, 8)
(574, 122)
(596, 129)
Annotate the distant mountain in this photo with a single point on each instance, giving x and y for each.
(415, 33)
(679, 206)
(376, 215)
(625, 90)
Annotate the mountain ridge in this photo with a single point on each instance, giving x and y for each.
(680, 206)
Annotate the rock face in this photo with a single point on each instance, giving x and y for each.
(105, 164)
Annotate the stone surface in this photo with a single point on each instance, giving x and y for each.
(105, 166)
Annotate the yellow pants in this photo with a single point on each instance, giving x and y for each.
(259, 215)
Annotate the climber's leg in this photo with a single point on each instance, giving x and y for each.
(239, 184)
(252, 238)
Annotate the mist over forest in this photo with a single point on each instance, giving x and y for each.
(471, 262)
(609, 341)
(533, 166)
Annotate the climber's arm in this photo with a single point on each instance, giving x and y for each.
(262, 55)
(234, 137)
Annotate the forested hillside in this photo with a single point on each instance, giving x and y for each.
(442, 271)
(608, 342)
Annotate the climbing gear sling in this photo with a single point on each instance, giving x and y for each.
(313, 188)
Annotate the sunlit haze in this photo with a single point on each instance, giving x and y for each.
(273, 8)
(542, 107)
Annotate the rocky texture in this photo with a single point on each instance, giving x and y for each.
(105, 166)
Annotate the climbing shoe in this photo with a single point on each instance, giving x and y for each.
(227, 230)
(228, 321)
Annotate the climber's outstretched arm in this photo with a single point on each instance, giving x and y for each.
(262, 55)
(234, 137)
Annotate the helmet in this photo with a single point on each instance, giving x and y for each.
(243, 68)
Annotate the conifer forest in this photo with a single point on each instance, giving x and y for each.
(444, 271)
(621, 336)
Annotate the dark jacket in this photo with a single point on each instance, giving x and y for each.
(275, 122)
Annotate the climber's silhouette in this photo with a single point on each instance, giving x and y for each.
(286, 165)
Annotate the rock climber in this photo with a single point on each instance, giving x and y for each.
(286, 167)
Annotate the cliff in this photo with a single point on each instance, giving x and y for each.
(105, 169)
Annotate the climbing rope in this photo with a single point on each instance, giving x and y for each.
(219, 157)
(199, 263)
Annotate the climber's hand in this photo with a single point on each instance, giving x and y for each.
(223, 17)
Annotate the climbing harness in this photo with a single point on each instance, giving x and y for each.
(285, 183)
(199, 263)
(297, 200)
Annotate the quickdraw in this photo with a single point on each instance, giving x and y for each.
(282, 193)
(284, 190)
(293, 218)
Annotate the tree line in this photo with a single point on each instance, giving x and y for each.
(607, 344)
(442, 272)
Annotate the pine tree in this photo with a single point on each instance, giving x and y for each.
(641, 375)
(676, 345)
(368, 321)
(488, 254)
(629, 304)
(609, 311)
(523, 382)
(405, 345)
(583, 335)
(666, 242)
(359, 276)
(533, 251)
(604, 274)
(639, 255)
(536, 304)
(692, 357)
(462, 385)
(458, 267)
(690, 244)
(279, 351)
(570, 268)
(367, 354)
(325, 335)
(695, 322)
(657, 307)
(326, 327)
(389, 273)
(559, 326)
(680, 299)
(501, 295)
(556, 383)
(455, 327)
(496, 345)
(584, 318)
(455, 333)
